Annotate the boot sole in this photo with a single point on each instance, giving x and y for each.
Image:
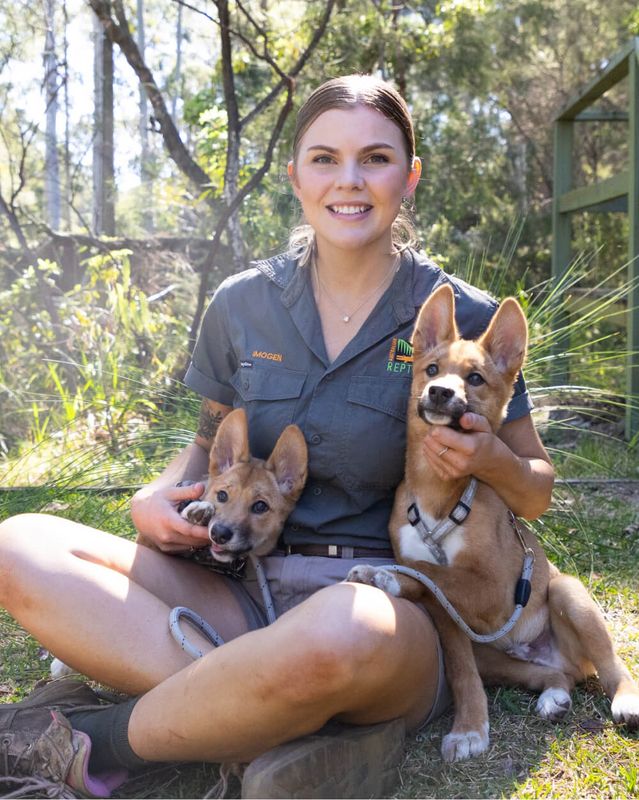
(357, 762)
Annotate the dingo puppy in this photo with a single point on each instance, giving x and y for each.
(247, 500)
(561, 636)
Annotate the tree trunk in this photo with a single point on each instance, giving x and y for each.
(232, 171)
(146, 172)
(178, 63)
(51, 164)
(103, 167)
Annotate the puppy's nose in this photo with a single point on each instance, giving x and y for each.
(440, 394)
(220, 534)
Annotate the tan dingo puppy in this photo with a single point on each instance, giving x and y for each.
(561, 636)
(247, 500)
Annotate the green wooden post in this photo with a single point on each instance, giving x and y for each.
(561, 233)
(632, 382)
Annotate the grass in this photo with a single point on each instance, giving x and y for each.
(593, 533)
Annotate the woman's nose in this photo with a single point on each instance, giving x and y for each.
(350, 176)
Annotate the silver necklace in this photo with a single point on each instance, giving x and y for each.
(347, 317)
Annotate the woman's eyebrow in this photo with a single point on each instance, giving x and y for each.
(328, 149)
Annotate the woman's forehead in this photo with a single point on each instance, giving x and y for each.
(360, 127)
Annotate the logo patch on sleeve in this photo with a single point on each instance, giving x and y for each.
(246, 364)
(400, 357)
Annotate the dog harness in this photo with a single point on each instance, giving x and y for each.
(433, 538)
(522, 591)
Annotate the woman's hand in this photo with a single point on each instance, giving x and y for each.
(154, 513)
(513, 462)
(455, 454)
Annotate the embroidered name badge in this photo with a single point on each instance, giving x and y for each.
(246, 364)
(400, 357)
(267, 356)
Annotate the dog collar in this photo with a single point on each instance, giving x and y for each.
(433, 538)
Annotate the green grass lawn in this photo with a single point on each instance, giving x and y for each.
(591, 533)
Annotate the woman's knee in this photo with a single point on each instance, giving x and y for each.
(341, 635)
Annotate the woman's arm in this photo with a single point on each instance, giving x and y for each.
(514, 462)
(154, 506)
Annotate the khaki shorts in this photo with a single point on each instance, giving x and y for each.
(294, 578)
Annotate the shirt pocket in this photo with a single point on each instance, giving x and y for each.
(270, 396)
(372, 450)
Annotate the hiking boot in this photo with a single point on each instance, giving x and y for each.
(337, 762)
(40, 751)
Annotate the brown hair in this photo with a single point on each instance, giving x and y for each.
(346, 93)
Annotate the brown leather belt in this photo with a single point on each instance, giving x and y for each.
(337, 551)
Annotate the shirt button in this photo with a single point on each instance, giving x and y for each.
(246, 384)
(329, 377)
(316, 438)
(317, 490)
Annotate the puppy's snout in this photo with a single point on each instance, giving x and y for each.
(220, 534)
(440, 394)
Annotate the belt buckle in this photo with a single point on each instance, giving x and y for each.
(288, 550)
(333, 551)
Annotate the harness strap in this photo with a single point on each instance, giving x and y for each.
(522, 592)
(432, 538)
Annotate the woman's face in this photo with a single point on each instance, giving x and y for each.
(350, 175)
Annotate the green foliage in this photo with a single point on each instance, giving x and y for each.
(95, 359)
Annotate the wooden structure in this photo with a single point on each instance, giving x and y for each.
(618, 193)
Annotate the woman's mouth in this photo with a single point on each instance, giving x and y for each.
(350, 211)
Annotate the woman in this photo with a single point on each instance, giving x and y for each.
(313, 338)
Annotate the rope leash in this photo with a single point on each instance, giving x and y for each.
(208, 631)
(522, 591)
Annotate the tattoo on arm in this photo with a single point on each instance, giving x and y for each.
(209, 422)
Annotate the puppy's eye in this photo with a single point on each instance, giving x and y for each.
(432, 370)
(475, 379)
(260, 507)
(222, 496)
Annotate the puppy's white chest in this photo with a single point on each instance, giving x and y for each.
(414, 547)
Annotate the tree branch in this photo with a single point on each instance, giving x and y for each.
(119, 33)
(295, 69)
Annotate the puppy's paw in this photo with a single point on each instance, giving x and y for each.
(456, 746)
(374, 576)
(199, 512)
(59, 669)
(553, 704)
(625, 709)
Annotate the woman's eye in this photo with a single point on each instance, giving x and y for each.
(432, 370)
(222, 496)
(260, 507)
(322, 160)
(378, 158)
(475, 379)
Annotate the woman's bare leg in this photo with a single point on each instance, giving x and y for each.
(100, 603)
(349, 651)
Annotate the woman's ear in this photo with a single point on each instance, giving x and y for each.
(290, 169)
(413, 176)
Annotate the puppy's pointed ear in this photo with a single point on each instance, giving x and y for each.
(436, 321)
(289, 462)
(231, 443)
(507, 337)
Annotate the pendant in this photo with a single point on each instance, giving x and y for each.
(346, 318)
